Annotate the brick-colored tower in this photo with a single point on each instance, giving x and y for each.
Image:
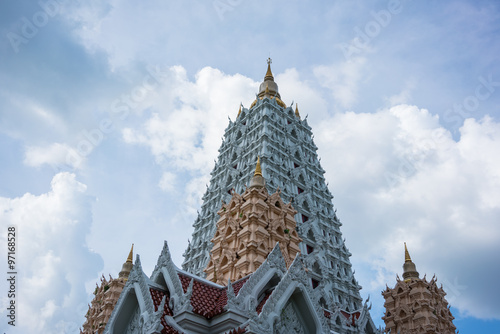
(249, 227)
(416, 306)
(106, 296)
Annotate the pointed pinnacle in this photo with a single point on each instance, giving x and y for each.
(258, 169)
(269, 74)
(407, 255)
(131, 254)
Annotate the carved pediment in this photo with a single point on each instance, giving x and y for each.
(294, 288)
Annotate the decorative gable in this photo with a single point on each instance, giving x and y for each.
(293, 295)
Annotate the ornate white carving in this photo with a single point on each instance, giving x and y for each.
(133, 327)
(184, 303)
(246, 295)
(295, 276)
(179, 301)
(289, 322)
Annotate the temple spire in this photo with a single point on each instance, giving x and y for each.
(131, 255)
(127, 266)
(269, 74)
(416, 305)
(409, 268)
(258, 169)
(268, 88)
(297, 110)
(106, 298)
(407, 255)
(257, 179)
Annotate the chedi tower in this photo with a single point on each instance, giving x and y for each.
(106, 296)
(267, 254)
(284, 142)
(415, 305)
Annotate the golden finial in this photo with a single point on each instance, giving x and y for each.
(407, 255)
(269, 74)
(239, 112)
(297, 110)
(258, 170)
(131, 254)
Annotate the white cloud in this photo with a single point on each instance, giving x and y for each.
(134, 27)
(404, 96)
(342, 79)
(167, 181)
(399, 176)
(53, 261)
(308, 99)
(55, 154)
(188, 119)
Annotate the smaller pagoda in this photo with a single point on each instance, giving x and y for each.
(415, 305)
(106, 296)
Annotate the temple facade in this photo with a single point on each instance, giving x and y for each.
(415, 305)
(106, 295)
(267, 254)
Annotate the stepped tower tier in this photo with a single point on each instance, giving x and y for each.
(284, 142)
(249, 227)
(415, 305)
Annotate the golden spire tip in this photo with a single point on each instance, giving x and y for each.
(269, 73)
(407, 255)
(131, 254)
(258, 170)
(239, 112)
(297, 110)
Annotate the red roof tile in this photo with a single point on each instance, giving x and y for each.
(237, 285)
(157, 296)
(238, 330)
(208, 300)
(263, 301)
(348, 315)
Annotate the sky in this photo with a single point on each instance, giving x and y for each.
(112, 112)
